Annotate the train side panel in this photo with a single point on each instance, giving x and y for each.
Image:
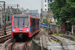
(34, 25)
(12, 27)
(30, 26)
(33, 29)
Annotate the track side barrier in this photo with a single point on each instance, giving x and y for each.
(68, 36)
(35, 46)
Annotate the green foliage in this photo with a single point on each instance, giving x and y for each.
(73, 21)
(58, 34)
(15, 11)
(68, 28)
(67, 21)
(60, 42)
(71, 2)
(45, 21)
(64, 10)
(58, 22)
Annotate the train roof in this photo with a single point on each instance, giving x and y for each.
(24, 15)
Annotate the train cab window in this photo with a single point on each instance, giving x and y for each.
(26, 22)
(21, 21)
(15, 22)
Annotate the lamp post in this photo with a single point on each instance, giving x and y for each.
(1, 16)
(4, 17)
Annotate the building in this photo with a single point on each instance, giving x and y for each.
(45, 15)
(46, 11)
(44, 4)
(31, 12)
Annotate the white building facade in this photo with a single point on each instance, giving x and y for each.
(44, 4)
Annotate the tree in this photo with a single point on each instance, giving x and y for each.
(45, 21)
(64, 10)
(15, 11)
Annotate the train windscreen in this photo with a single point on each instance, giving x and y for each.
(21, 22)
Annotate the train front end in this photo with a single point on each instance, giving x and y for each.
(20, 26)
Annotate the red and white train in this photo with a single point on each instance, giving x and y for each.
(24, 25)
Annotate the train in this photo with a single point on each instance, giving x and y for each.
(24, 26)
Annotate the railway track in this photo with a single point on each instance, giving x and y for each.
(13, 45)
(5, 37)
(26, 45)
(4, 46)
(17, 46)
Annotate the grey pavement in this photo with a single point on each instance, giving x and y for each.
(70, 43)
(53, 45)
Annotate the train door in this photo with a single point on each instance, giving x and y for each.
(33, 25)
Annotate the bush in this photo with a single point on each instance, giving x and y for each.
(45, 21)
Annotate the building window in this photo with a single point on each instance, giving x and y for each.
(48, 6)
(52, 0)
(45, 0)
(48, 1)
(45, 9)
(45, 5)
(48, 9)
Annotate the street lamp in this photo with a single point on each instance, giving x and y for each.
(4, 17)
(1, 16)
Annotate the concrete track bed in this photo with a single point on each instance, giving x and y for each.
(63, 43)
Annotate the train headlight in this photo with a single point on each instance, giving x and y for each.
(14, 30)
(27, 30)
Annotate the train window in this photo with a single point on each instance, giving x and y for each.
(32, 22)
(26, 22)
(21, 22)
(15, 22)
(37, 21)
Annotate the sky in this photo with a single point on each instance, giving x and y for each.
(30, 4)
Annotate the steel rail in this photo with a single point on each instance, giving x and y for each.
(5, 37)
(5, 44)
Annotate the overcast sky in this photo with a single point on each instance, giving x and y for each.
(30, 4)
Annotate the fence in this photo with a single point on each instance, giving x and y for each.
(7, 24)
(45, 25)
